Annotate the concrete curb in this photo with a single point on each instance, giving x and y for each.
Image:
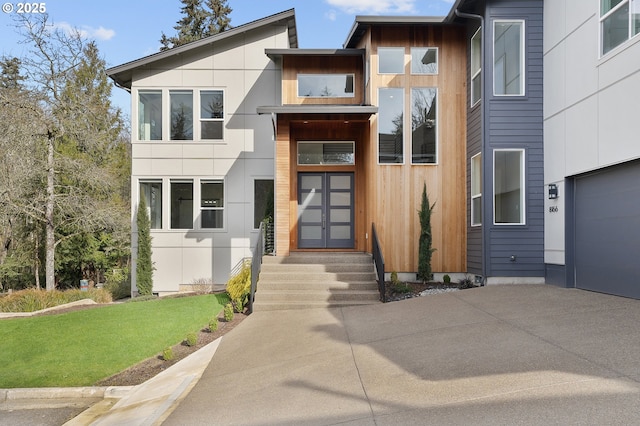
(30, 314)
(18, 394)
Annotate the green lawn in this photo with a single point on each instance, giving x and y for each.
(82, 347)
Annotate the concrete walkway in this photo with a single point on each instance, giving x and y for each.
(487, 356)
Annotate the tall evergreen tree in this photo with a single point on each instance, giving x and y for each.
(198, 21)
(426, 239)
(144, 264)
(10, 77)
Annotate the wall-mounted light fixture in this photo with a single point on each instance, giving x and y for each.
(553, 191)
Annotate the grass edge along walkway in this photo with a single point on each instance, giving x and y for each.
(80, 348)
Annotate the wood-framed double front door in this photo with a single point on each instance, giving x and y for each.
(326, 210)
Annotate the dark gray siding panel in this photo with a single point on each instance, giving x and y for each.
(474, 146)
(517, 122)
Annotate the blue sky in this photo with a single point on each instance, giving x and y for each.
(126, 30)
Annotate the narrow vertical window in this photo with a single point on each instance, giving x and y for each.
(390, 125)
(424, 129)
(476, 190)
(391, 60)
(476, 67)
(181, 115)
(212, 204)
(424, 60)
(508, 187)
(150, 115)
(508, 58)
(211, 114)
(181, 205)
(262, 201)
(152, 192)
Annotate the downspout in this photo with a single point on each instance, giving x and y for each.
(483, 73)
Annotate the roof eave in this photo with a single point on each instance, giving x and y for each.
(122, 74)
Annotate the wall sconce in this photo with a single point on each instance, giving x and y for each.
(553, 191)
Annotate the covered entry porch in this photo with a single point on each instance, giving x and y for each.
(321, 177)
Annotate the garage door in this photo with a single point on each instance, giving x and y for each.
(607, 231)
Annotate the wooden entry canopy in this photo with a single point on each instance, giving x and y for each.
(294, 123)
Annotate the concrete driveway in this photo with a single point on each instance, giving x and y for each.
(486, 356)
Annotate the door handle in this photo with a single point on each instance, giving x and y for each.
(324, 221)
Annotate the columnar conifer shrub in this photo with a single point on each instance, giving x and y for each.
(144, 265)
(424, 248)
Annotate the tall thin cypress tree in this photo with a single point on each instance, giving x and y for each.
(424, 248)
(144, 265)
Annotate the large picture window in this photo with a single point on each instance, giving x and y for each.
(391, 60)
(181, 204)
(476, 190)
(508, 58)
(476, 67)
(181, 114)
(326, 85)
(424, 130)
(152, 192)
(150, 115)
(508, 187)
(619, 21)
(390, 125)
(211, 114)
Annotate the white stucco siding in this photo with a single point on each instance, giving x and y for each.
(238, 66)
(590, 105)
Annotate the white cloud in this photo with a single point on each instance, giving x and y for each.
(86, 31)
(374, 6)
(331, 15)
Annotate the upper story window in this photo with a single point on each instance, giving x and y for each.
(508, 58)
(424, 129)
(390, 125)
(150, 115)
(326, 85)
(181, 115)
(476, 67)
(619, 21)
(508, 187)
(211, 114)
(391, 60)
(424, 60)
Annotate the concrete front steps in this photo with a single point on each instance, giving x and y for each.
(316, 280)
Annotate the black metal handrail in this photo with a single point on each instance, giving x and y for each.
(378, 261)
(256, 264)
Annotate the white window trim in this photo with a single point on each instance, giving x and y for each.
(523, 67)
(630, 34)
(198, 219)
(404, 61)
(523, 192)
(437, 60)
(197, 133)
(479, 195)
(477, 73)
(142, 180)
(435, 163)
(404, 133)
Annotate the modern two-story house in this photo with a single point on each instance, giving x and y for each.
(342, 140)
